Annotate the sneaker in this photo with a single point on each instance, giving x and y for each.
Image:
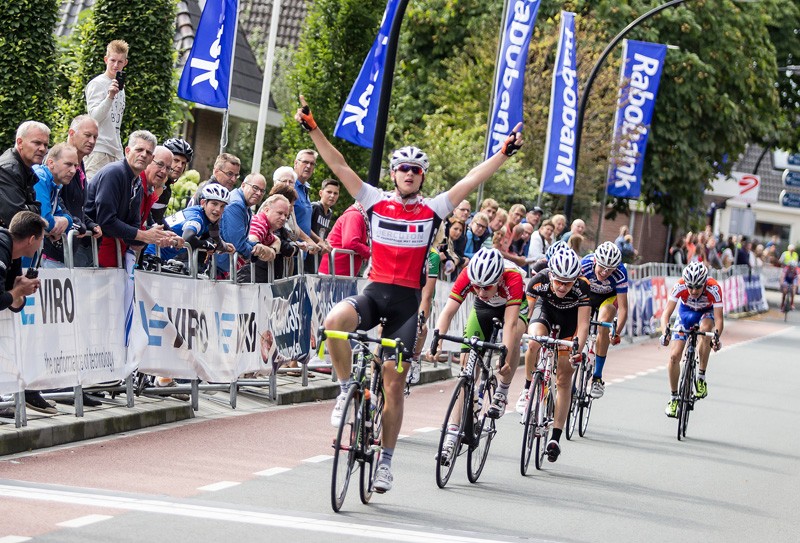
(598, 388)
(522, 401)
(34, 400)
(163, 382)
(338, 409)
(383, 479)
(498, 407)
(553, 450)
(448, 451)
(701, 388)
(672, 409)
(413, 372)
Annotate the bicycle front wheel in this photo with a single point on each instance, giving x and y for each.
(685, 399)
(531, 419)
(575, 399)
(585, 402)
(458, 410)
(373, 426)
(545, 426)
(483, 431)
(345, 447)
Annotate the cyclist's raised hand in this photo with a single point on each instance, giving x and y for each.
(513, 142)
(304, 116)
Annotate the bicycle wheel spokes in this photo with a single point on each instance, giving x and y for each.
(576, 396)
(684, 399)
(483, 431)
(531, 418)
(457, 411)
(585, 404)
(372, 439)
(345, 447)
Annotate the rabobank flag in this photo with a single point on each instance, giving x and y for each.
(639, 79)
(206, 75)
(558, 169)
(510, 79)
(356, 122)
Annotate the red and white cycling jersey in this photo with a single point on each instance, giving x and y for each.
(402, 234)
(510, 289)
(710, 298)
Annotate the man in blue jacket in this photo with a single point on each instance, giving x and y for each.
(235, 223)
(58, 170)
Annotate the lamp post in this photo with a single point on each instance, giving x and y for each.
(588, 87)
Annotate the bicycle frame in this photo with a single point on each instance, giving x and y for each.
(686, 384)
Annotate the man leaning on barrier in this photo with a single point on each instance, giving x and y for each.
(235, 223)
(58, 170)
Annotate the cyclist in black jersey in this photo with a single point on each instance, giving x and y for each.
(558, 295)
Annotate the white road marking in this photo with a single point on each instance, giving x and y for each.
(272, 471)
(402, 436)
(192, 510)
(222, 485)
(80, 522)
(14, 539)
(426, 429)
(318, 459)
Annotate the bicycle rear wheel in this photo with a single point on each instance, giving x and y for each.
(460, 406)
(483, 431)
(534, 414)
(372, 443)
(575, 399)
(585, 403)
(345, 447)
(685, 399)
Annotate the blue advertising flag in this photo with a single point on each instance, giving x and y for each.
(558, 168)
(510, 75)
(206, 75)
(356, 122)
(639, 79)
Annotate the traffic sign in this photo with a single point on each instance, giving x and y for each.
(740, 186)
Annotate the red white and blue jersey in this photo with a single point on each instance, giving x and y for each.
(510, 288)
(617, 282)
(710, 298)
(402, 234)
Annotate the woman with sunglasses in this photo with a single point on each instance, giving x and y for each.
(557, 295)
(699, 301)
(608, 279)
(402, 226)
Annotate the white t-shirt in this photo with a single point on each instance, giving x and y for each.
(107, 113)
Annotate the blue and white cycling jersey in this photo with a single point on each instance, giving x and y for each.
(192, 218)
(617, 282)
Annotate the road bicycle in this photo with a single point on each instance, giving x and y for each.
(580, 406)
(686, 385)
(466, 425)
(358, 439)
(539, 413)
(787, 301)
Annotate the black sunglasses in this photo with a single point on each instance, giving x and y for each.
(409, 168)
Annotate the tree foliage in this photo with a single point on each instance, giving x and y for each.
(150, 89)
(27, 57)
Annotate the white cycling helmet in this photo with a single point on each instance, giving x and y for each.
(410, 155)
(557, 247)
(565, 265)
(486, 267)
(695, 274)
(215, 191)
(608, 255)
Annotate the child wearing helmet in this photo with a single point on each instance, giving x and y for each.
(198, 225)
(698, 298)
(608, 284)
(558, 295)
(499, 288)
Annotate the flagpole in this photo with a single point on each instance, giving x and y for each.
(266, 87)
(378, 139)
(479, 195)
(223, 138)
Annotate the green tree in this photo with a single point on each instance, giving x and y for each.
(148, 26)
(27, 57)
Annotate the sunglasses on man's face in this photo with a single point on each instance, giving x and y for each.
(405, 168)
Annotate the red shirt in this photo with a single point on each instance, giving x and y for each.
(510, 289)
(349, 232)
(710, 298)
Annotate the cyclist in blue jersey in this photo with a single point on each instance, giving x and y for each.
(198, 225)
(608, 283)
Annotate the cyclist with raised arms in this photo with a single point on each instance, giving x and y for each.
(499, 290)
(608, 285)
(403, 225)
(558, 295)
(699, 301)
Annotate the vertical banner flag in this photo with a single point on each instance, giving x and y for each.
(639, 79)
(558, 169)
(509, 82)
(357, 120)
(206, 75)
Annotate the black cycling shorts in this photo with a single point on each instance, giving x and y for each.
(399, 305)
(546, 314)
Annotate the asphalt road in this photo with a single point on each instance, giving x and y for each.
(266, 476)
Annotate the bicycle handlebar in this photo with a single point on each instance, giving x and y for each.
(550, 342)
(694, 330)
(474, 342)
(611, 325)
(362, 337)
